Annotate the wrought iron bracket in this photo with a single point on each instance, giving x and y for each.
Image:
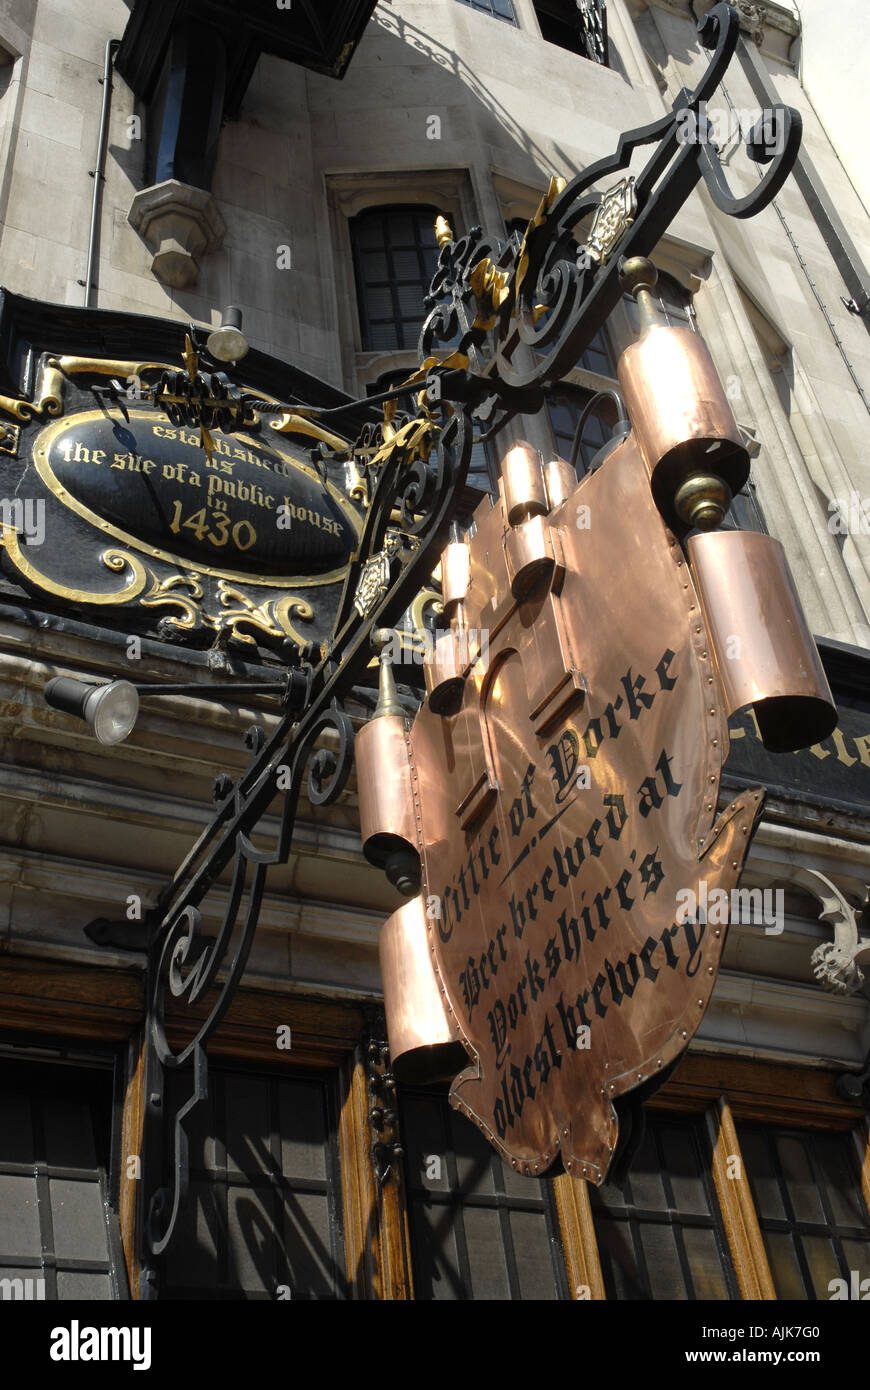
(524, 310)
(386, 1147)
(413, 477)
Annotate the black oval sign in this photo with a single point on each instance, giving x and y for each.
(249, 507)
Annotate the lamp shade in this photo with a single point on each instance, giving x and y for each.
(109, 710)
(228, 343)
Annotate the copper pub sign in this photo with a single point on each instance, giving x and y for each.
(561, 783)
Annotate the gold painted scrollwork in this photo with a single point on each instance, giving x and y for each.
(22, 410)
(164, 594)
(273, 617)
(115, 560)
(48, 399)
(292, 423)
(105, 366)
(427, 598)
(556, 186)
(49, 392)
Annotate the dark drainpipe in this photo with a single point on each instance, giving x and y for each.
(97, 174)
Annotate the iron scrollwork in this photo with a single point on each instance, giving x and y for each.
(413, 476)
(523, 311)
(527, 308)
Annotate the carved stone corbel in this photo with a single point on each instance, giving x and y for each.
(751, 16)
(180, 225)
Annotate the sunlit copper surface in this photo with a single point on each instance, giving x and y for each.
(443, 667)
(424, 1045)
(454, 572)
(555, 844)
(529, 554)
(561, 481)
(385, 788)
(764, 650)
(525, 493)
(681, 416)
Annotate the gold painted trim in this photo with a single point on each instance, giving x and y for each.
(106, 366)
(49, 391)
(738, 1209)
(22, 410)
(291, 423)
(574, 1211)
(114, 560)
(861, 1140)
(46, 438)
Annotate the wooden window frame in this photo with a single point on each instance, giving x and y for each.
(725, 1090)
(101, 1004)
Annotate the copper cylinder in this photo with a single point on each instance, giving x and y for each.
(764, 650)
(528, 552)
(680, 414)
(560, 480)
(424, 1044)
(386, 801)
(443, 668)
(455, 572)
(525, 494)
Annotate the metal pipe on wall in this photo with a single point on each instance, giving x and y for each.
(97, 174)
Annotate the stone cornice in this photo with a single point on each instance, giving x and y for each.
(771, 26)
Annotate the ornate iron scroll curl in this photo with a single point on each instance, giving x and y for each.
(544, 293)
(551, 292)
(413, 475)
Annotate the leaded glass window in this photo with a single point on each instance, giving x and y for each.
(262, 1220)
(478, 1229)
(499, 9)
(59, 1233)
(813, 1217)
(395, 255)
(660, 1234)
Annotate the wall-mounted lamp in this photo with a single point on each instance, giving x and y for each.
(110, 710)
(228, 343)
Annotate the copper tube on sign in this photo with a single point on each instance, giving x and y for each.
(424, 1044)
(386, 801)
(455, 572)
(525, 494)
(764, 650)
(528, 552)
(560, 481)
(443, 668)
(680, 414)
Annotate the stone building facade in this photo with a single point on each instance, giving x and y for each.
(294, 167)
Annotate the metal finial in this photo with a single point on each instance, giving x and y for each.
(388, 696)
(443, 231)
(638, 277)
